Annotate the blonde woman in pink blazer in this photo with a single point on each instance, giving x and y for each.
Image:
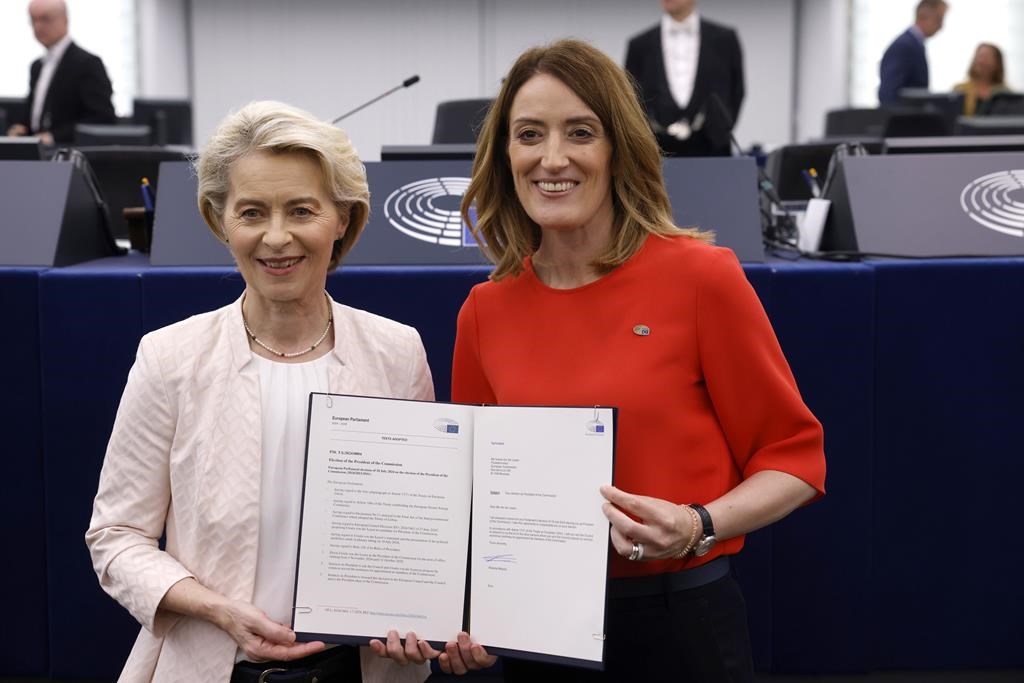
(207, 447)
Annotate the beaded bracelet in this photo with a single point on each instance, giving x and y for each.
(694, 533)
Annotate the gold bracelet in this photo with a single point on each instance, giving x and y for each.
(694, 533)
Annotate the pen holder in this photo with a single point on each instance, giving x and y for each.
(140, 227)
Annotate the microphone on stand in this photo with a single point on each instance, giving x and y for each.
(785, 233)
(412, 80)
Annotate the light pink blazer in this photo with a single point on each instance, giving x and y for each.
(184, 459)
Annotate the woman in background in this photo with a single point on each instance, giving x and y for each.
(985, 78)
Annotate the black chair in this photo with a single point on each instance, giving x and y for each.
(95, 134)
(459, 121)
(170, 120)
(916, 125)
(856, 122)
(10, 111)
(1003, 104)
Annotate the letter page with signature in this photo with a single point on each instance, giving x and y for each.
(385, 531)
(540, 541)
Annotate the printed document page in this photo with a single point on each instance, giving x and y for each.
(540, 541)
(385, 523)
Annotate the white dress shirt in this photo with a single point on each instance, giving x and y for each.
(680, 45)
(51, 60)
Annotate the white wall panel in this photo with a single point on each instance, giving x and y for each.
(328, 57)
(823, 71)
(163, 48)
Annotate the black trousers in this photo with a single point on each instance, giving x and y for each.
(335, 665)
(699, 635)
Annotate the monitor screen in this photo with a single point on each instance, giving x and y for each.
(954, 144)
(90, 134)
(119, 173)
(949, 104)
(990, 125)
(439, 152)
(21, 149)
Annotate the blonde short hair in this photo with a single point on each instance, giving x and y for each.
(639, 199)
(275, 127)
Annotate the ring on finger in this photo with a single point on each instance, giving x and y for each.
(638, 552)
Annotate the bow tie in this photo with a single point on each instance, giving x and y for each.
(681, 29)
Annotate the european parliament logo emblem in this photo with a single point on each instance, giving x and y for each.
(428, 210)
(446, 426)
(989, 201)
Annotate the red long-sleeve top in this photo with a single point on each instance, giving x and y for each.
(705, 399)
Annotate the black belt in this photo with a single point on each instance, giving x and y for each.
(660, 584)
(340, 664)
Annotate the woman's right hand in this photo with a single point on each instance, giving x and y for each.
(259, 637)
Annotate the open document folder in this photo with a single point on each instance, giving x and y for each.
(390, 486)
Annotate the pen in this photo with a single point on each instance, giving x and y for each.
(147, 195)
(811, 183)
(817, 183)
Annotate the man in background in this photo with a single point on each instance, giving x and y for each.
(66, 86)
(905, 64)
(680, 66)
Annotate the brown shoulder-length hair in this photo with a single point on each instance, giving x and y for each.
(999, 75)
(641, 207)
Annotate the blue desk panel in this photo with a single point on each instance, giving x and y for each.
(823, 315)
(948, 465)
(89, 330)
(23, 649)
(753, 567)
(916, 371)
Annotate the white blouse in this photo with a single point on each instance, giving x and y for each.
(284, 405)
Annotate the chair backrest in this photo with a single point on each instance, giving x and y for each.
(10, 109)
(170, 120)
(916, 124)
(868, 123)
(1004, 104)
(459, 121)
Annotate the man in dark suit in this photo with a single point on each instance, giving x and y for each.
(678, 65)
(66, 86)
(904, 64)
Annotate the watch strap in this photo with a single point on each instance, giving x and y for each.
(705, 519)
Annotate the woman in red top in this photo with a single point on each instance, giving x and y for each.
(597, 298)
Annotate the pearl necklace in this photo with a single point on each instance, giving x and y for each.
(294, 354)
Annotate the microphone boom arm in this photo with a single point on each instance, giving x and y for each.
(412, 80)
